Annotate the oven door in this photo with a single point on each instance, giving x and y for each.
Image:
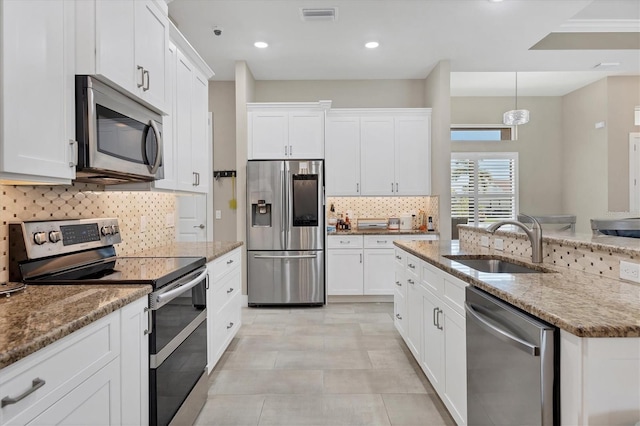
(121, 135)
(177, 344)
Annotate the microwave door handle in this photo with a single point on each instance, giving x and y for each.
(158, 159)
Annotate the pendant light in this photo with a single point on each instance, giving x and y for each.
(516, 116)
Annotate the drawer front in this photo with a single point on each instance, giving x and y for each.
(379, 241)
(413, 267)
(432, 278)
(223, 265)
(62, 365)
(454, 294)
(226, 324)
(225, 290)
(345, 241)
(401, 258)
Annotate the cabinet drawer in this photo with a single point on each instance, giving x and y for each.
(226, 324)
(413, 267)
(401, 258)
(432, 278)
(379, 241)
(454, 293)
(62, 365)
(345, 241)
(225, 290)
(226, 263)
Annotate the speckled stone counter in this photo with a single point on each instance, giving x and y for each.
(381, 232)
(41, 314)
(211, 249)
(583, 304)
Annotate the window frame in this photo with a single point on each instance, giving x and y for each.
(513, 132)
(476, 196)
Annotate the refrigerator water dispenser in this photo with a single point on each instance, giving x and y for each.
(261, 214)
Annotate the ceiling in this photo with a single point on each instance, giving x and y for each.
(478, 37)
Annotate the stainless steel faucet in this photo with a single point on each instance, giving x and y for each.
(534, 233)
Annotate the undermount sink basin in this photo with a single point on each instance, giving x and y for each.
(495, 265)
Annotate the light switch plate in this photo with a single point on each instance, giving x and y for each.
(170, 220)
(218, 214)
(484, 241)
(143, 224)
(498, 244)
(630, 271)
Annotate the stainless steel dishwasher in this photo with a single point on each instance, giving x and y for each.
(512, 365)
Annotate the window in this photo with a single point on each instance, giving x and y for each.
(482, 133)
(484, 186)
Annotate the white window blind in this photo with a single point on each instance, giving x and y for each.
(484, 186)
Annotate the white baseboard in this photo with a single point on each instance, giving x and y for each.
(359, 299)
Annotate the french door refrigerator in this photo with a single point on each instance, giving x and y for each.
(285, 232)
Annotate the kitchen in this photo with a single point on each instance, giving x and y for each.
(86, 200)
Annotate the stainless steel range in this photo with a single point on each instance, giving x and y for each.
(82, 252)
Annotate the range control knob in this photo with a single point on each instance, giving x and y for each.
(55, 236)
(106, 230)
(40, 238)
(115, 230)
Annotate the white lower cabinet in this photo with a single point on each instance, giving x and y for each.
(224, 304)
(344, 271)
(92, 376)
(433, 328)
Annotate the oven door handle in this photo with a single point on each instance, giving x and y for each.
(161, 299)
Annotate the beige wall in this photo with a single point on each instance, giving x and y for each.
(539, 146)
(222, 103)
(437, 96)
(623, 94)
(585, 154)
(345, 93)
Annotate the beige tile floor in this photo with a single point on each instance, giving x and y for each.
(341, 364)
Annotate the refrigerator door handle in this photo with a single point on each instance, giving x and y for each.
(283, 236)
(301, 256)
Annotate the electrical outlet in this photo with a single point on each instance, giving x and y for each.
(218, 214)
(170, 220)
(630, 271)
(484, 241)
(143, 224)
(498, 244)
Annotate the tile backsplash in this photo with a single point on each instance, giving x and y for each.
(384, 207)
(82, 201)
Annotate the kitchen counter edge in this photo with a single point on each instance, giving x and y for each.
(211, 250)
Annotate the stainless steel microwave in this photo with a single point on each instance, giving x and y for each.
(119, 140)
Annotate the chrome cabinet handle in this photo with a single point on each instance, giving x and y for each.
(398, 316)
(36, 384)
(398, 283)
(194, 179)
(229, 262)
(410, 281)
(438, 319)
(230, 325)
(230, 290)
(396, 186)
(434, 317)
(391, 186)
(146, 86)
(360, 257)
(398, 257)
(197, 178)
(73, 147)
(141, 76)
(411, 265)
(149, 329)
(380, 242)
(345, 242)
(285, 150)
(357, 187)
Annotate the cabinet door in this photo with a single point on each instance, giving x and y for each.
(342, 156)
(268, 135)
(306, 135)
(376, 167)
(201, 145)
(455, 374)
(379, 271)
(345, 272)
(151, 42)
(168, 129)
(183, 126)
(115, 43)
(37, 118)
(134, 328)
(432, 341)
(414, 318)
(412, 156)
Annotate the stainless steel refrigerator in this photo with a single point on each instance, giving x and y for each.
(285, 232)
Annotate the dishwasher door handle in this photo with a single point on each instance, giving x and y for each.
(501, 334)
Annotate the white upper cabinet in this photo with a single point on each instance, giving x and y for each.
(342, 155)
(286, 130)
(37, 114)
(201, 158)
(125, 42)
(378, 152)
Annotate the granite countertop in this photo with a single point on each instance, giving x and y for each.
(41, 314)
(357, 231)
(586, 305)
(211, 249)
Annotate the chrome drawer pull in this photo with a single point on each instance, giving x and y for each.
(230, 290)
(398, 283)
(398, 316)
(230, 325)
(229, 262)
(380, 242)
(36, 384)
(410, 281)
(412, 266)
(398, 257)
(345, 242)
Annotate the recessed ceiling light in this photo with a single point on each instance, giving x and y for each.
(261, 44)
(372, 45)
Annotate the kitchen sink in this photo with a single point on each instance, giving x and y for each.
(496, 265)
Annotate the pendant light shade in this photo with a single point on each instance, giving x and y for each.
(516, 116)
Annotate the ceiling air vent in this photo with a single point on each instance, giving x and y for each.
(324, 14)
